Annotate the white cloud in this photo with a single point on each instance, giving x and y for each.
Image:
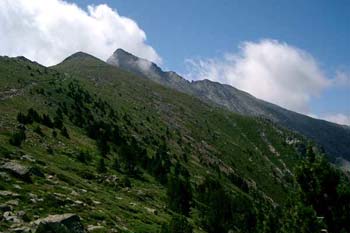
(270, 70)
(49, 30)
(338, 118)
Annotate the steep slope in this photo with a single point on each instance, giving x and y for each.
(212, 127)
(122, 152)
(332, 137)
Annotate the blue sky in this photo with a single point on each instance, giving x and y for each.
(181, 29)
(195, 28)
(292, 53)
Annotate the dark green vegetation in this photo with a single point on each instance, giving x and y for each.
(130, 155)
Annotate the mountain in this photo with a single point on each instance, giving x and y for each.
(332, 137)
(86, 146)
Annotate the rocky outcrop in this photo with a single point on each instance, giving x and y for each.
(65, 223)
(17, 170)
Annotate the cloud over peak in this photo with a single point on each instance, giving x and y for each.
(49, 30)
(270, 70)
(338, 118)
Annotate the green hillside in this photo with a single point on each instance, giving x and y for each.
(128, 155)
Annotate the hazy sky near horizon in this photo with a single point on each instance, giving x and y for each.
(292, 53)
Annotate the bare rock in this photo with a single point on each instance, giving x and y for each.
(5, 193)
(11, 217)
(151, 211)
(12, 202)
(94, 228)
(28, 157)
(21, 230)
(65, 223)
(18, 170)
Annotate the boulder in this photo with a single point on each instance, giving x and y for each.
(152, 211)
(12, 202)
(65, 223)
(18, 170)
(11, 217)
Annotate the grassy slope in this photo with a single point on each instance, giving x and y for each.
(212, 138)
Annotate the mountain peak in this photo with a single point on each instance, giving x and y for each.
(79, 55)
(122, 58)
(80, 58)
(121, 51)
(121, 54)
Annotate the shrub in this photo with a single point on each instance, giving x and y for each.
(23, 119)
(84, 157)
(37, 130)
(126, 182)
(57, 122)
(49, 150)
(178, 224)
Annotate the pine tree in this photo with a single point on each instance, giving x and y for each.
(46, 120)
(64, 132)
(101, 166)
(116, 164)
(179, 195)
(18, 137)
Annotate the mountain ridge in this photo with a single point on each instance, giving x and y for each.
(332, 137)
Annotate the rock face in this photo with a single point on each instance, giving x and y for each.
(332, 137)
(18, 170)
(65, 223)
